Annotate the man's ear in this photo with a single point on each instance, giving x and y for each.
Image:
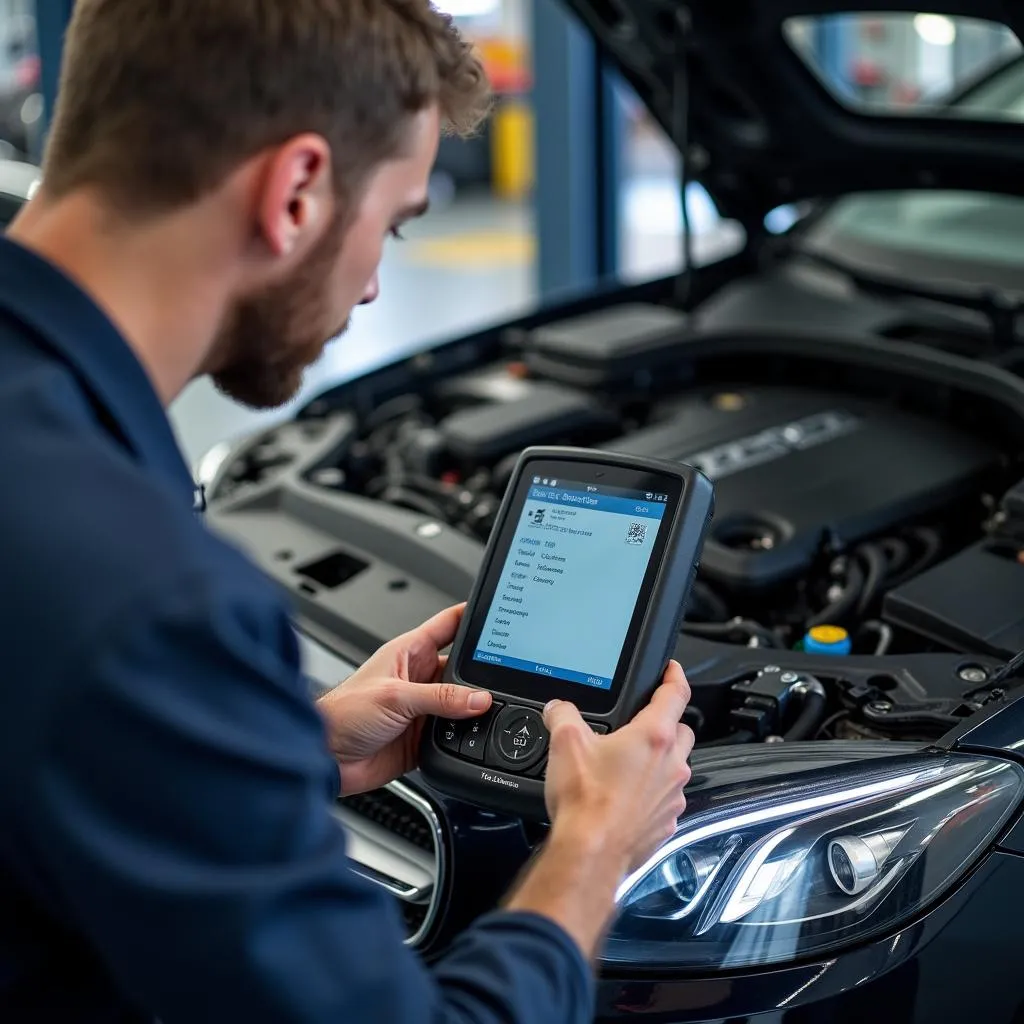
(296, 199)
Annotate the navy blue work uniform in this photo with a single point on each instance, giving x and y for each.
(166, 844)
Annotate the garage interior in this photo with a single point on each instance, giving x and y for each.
(570, 192)
(515, 219)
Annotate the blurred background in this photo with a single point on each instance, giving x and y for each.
(569, 184)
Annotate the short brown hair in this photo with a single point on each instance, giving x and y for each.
(161, 100)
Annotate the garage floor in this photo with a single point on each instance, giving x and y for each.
(464, 266)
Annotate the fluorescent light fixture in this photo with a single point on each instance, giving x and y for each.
(936, 29)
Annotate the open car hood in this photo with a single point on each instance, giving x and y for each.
(762, 129)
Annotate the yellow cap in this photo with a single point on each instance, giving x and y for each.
(828, 634)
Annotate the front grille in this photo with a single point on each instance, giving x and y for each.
(394, 841)
(394, 814)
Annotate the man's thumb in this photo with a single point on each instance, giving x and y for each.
(446, 700)
(558, 712)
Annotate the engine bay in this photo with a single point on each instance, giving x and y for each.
(864, 576)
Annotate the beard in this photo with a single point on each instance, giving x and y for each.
(271, 338)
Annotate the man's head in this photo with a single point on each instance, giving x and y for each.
(311, 125)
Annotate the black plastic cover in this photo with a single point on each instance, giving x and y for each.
(794, 468)
(972, 602)
(606, 347)
(548, 412)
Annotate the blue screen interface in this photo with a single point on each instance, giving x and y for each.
(569, 587)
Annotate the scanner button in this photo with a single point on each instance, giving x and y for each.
(449, 734)
(521, 736)
(474, 738)
(598, 727)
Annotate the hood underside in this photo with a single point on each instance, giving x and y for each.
(763, 131)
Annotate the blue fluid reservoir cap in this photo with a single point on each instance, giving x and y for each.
(827, 640)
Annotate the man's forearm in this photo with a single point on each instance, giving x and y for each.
(573, 883)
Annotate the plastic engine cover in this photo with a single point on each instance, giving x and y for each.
(794, 467)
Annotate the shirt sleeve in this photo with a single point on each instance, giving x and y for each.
(174, 815)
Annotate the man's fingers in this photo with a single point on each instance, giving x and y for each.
(419, 647)
(560, 713)
(441, 629)
(442, 664)
(446, 700)
(687, 740)
(670, 699)
(672, 804)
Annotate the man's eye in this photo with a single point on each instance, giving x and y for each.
(396, 233)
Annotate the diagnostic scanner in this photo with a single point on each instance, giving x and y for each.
(580, 597)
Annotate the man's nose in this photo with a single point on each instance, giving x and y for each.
(372, 290)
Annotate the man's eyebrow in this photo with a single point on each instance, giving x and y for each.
(414, 210)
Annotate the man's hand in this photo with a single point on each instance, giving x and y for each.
(626, 788)
(375, 718)
(613, 800)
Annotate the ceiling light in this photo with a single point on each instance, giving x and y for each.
(936, 29)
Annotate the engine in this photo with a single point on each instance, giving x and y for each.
(849, 505)
(825, 501)
(799, 473)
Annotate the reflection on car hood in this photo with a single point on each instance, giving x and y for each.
(764, 132)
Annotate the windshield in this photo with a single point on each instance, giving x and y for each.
(977, 238)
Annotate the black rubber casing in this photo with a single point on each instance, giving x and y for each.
(486, 784)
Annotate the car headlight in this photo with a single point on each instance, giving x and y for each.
(761, 873)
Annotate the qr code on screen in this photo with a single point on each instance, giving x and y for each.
(636, 534)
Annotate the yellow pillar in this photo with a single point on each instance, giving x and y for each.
(512, 153)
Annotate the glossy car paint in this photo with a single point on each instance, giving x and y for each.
(958, 958)
(937, 968)
(960, 962)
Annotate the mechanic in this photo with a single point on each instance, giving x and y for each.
(219, 182)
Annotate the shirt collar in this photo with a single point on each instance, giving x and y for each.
(72, 327)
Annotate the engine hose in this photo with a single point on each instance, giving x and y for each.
(705, 600)
(897, 553)
(841, 608)
(931, 542)
(376, 487)
(394, 409)
(417, 502)
(877, 567)
(735, 627)
(812, 714)
(830, 722)
(885, 636)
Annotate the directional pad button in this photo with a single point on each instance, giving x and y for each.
(520, 738)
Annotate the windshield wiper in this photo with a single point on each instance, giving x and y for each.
(1000, 307)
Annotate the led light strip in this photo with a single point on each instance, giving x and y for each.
(793, 809)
